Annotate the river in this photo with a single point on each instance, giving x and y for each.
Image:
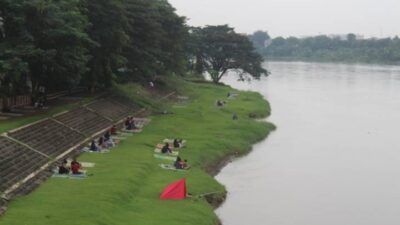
(335, 157)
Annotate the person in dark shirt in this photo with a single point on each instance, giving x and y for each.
(108, 140)
(180, 164)
(107, 136)
(166, 149)
(178, 143)
(177, 163)
(127, 121)
(93, 146)
(63, 169)
(101, 143)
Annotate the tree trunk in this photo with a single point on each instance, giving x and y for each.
(198, 67)
(6, 105)
(219, 77)
(92, 88)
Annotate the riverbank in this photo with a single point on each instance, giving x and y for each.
(126, 183)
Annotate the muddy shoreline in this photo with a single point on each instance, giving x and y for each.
(216, 200)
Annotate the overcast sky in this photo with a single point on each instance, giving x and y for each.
(378, 18)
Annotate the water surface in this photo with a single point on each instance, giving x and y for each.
(335, 157)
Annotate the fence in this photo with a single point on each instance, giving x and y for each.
(26, 100)
(17, 101)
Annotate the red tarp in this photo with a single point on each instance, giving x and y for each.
(175, 191)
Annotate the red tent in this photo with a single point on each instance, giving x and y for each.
(175, 191)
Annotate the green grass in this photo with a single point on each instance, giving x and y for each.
(126, 183)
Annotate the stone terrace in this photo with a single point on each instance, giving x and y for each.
(84, 120)
(48, 137)
(125, 101)
(111, 109)
(17, 162)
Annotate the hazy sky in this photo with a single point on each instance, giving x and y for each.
(297, 17)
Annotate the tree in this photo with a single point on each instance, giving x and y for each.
(13, 49)
(47, 39)
(157, 37)
(351, 37)
(338, 48)
(57, 30)
(60, 44)
(221, 49)
(259, 39)
(174, 38)
(108, 29)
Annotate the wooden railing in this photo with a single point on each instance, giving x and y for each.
(17, 101)
(26, 100)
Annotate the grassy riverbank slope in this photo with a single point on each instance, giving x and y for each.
(126, 183)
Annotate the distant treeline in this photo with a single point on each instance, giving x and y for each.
(346, 48)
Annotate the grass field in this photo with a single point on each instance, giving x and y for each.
(126, 183)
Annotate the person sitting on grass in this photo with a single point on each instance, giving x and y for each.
(127, 121)
(131, 124)
(166, 149)
(185, 165)
(93, 146)
(109, 140)
(220, 103)
(107, 135)
(177, 163)
(113, 130)
(180, 164)
(102, 143)
(63, 169)
(235, 116)
(177, 143)
(76, 167)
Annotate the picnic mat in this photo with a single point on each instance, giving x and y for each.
(170, 167)
(164, 157)
(157, 150)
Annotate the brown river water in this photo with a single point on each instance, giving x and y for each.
(335, 157)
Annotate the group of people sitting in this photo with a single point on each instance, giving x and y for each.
(130, 124)
(167, 149)
(104, 142)
(74, 168)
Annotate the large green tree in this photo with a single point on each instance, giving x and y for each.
(13, 49)
(221, 49)
(157, 36)
(63, 43)
(174, 38)
(108, 29)
(58, 31)
(43, 42)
